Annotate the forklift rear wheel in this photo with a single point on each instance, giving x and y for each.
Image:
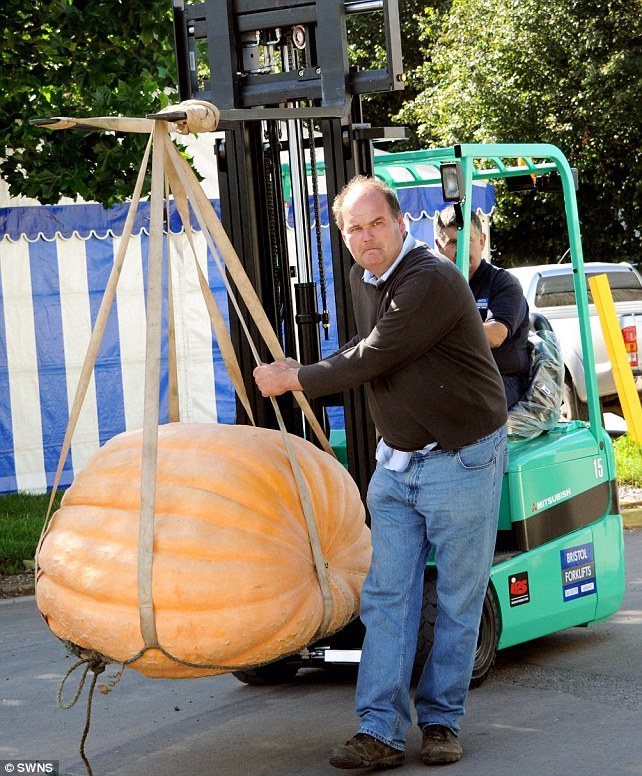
(279, 672)
(486, 641)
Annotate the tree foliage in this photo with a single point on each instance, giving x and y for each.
(567, 73)
(80, 58)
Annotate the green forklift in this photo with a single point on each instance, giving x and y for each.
(559, 559)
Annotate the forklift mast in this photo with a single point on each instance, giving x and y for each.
(279, 73)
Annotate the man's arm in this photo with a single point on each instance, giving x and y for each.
(507, 307)
(495, 332)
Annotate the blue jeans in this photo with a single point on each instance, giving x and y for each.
(447, 501)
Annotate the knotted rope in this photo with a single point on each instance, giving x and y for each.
(200, 116)
(96, 663)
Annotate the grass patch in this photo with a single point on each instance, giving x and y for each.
(22, 516)
(628, 461)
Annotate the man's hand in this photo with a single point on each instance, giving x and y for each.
(277, 378)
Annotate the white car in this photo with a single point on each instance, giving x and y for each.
(549, 291)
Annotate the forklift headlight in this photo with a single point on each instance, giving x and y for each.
(452, 181)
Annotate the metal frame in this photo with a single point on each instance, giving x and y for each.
(275, 65)
(239, 83)
(487, 162)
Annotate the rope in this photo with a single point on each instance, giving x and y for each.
(200, 116)
(96, 663)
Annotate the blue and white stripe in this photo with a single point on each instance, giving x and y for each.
(50, 293)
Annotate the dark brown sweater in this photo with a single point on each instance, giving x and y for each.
(423, 355)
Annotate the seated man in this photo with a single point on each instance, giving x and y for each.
(500, 301)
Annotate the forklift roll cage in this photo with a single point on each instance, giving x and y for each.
(519, 161)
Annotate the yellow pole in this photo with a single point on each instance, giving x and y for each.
(614, 341)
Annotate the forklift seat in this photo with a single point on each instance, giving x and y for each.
(539, 322)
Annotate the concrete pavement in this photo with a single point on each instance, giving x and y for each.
(566, 703)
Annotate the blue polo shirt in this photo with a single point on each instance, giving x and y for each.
(499, 297)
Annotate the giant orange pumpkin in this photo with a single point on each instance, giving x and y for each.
(233, 580)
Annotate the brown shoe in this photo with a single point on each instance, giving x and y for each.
(364, 751)
(439, 745)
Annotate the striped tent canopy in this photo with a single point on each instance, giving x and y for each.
(54, 266)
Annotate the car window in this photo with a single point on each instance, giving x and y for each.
(557, 290)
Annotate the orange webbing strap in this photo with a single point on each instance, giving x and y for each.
(97, 335)
(152, 390)
(108, 123)
(216, 317)
(214, 233)
(184, 185)
(200, 116)
(211, 228)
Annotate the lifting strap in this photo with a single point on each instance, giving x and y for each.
(169, 166)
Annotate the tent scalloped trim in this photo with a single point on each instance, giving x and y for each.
(91, 220)
(84, 221)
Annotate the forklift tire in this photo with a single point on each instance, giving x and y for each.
(486, 641)
(573, 408)
(279, 672)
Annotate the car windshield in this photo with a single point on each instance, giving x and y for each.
(557, 290)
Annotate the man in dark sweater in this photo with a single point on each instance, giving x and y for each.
(500, 301)
(438, 403)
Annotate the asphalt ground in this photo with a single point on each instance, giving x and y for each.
(567, 703)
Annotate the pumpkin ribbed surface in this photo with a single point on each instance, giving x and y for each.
(233, 580)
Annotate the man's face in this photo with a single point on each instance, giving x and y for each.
(372, 234)
(448, 247)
